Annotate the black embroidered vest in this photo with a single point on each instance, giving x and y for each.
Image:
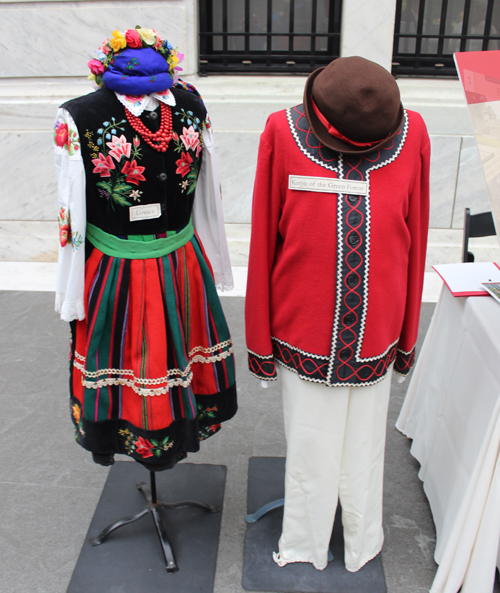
(122, 171)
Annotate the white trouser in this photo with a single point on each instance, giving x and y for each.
(335, 450)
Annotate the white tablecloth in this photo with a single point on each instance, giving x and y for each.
(452, 413)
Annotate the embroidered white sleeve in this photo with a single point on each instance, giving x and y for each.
(72, 218)
(208, 218)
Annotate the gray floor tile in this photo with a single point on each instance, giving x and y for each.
(49, 486)
(41, 533)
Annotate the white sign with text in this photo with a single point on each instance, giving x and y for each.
(328, 185)
(145, 212)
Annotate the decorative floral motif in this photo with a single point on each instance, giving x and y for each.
(132, 63)
(144, 447)
(77, 415)
(205, 432)
(188, 117)
(103, 165)
(91, 145)
(134, 100)
(133, 172)
(115, 161)
(66, 137)
(134, 38)
(64, 228)
(119, 146)
(66, 235)
(184, 164)
(135, 195)
(96, 67)
(76, 239)
(118, 41)
(203, 415)
(189, 144)
(190, 138)
(76, 412)
(148, 36)
(61, 134)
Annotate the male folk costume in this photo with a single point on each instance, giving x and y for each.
(339, 233)
(141, 229)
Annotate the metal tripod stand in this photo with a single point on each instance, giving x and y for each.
(153, 507)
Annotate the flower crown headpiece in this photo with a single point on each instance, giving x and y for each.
(135, 39)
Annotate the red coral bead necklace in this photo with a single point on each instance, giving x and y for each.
(158, 140)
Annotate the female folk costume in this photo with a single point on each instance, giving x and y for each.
(337, 255)
(142, 236)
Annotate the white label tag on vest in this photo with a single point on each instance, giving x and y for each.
(145, 212)
(327, 185)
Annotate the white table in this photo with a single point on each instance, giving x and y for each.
(452, 413)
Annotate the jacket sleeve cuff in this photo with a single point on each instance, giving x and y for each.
(262, 367)
(404, 361)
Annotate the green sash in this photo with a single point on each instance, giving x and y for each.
(138, 246)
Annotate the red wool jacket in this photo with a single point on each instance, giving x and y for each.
(335, 279)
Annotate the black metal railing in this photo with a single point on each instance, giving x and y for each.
(428, 32)
(268, 36)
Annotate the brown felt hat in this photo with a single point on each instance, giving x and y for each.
(359, 98)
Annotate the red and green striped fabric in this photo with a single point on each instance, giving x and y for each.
(152, 368)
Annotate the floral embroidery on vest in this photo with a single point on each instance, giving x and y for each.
(66, 137)
(115, 161)
(189, 144)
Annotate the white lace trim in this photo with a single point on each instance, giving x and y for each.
(69, 311)
(297, 349)
(224, 282)
(339, 171)
(281, 562)
(340, 242)
(372, 358)
(327, 383)
(174, 377)
(139, 390)
(138, 104)
(263, 355)
(402, 142)
(340, 247)
(404, 352)
(262, 378)
(299, 144)
(219, 346)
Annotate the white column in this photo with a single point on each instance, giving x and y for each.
(367, 30)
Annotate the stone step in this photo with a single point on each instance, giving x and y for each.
(34, 241)
(41, 277)
(30, 103)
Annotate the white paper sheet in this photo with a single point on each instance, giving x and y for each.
(466, 279)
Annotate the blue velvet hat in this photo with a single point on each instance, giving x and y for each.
(138, 72)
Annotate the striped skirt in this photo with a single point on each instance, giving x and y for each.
(152, 368)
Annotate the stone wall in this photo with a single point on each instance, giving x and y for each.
(45, 46)
(56, 39)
